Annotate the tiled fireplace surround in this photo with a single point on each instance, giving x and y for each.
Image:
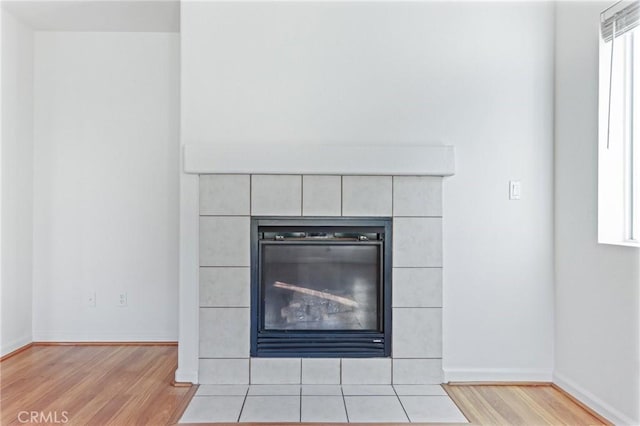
(227, 202)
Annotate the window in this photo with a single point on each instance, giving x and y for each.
(619, 126)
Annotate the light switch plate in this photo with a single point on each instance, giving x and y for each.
(515, 190)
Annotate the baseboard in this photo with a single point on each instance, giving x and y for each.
(109, 343)
(186, 376)
(591, 401)
(13, 347)
(181, 384)
(16, 352)
(497, 375)
(97, 336)
(532, 384)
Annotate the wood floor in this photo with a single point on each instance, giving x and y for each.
(127, 385)
(518, 406)
(94, 385)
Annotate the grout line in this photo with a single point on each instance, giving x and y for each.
(418, 217)
(344, 403)
(402, 307)
(301, 195)
(250, 195)
(418, 267)
(417, 307)
(424, 357)
(225, 215)
(229, 307)
(393, 181)
(218, 357)
(400, 401)
(226, 266)
(243, 402)
(341, 195)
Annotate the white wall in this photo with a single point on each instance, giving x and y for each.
(597, 355)
(106, 187)
(17, 183)
(475, 75)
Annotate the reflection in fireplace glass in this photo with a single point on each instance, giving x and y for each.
(321, 286)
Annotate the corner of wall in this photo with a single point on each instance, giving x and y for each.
(16, 182)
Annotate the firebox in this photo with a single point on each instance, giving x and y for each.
(320, 287)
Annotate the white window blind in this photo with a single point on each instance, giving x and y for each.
(624, 15)
(619, 125)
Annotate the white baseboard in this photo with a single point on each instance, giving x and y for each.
(8, 347)
(100, 336)
(593, 402)
(186, 376)
(496, 375)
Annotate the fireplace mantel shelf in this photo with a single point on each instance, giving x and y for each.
(408, 160)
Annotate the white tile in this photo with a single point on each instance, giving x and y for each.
(321, 195)
(224, 371)
(417, 287)
(275, 371)
(432, 409)
(366, 371)
(367, 390)
(322, 390)
(424, 390)
(224, 195)
(321, 371)
(225, 287)
(224, 241)
(222, 390)
(417, 196)
(366, 195)
(209, 409)
(323, 409)
(417, 332)
(417, 371)
(274, 390)
(224, 332)
(276, 195)
(417, 242)
(376, 409)
(271, 409)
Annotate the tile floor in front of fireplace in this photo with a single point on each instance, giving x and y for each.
(322, 403)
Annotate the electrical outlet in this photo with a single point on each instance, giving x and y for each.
(122, 299)
(91, 299)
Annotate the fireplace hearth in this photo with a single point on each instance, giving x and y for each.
(320, 287)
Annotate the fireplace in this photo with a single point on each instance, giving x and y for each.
(320, 287)
(228, 319)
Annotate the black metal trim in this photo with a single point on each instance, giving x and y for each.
(322, 343)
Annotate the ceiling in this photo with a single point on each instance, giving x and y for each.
(99, 15)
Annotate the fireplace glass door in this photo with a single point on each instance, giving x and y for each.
(321, 287)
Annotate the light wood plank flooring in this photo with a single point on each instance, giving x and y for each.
(123, 385)
(95, 385)
(518, 405)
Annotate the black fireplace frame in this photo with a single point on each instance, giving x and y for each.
(322, 343)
